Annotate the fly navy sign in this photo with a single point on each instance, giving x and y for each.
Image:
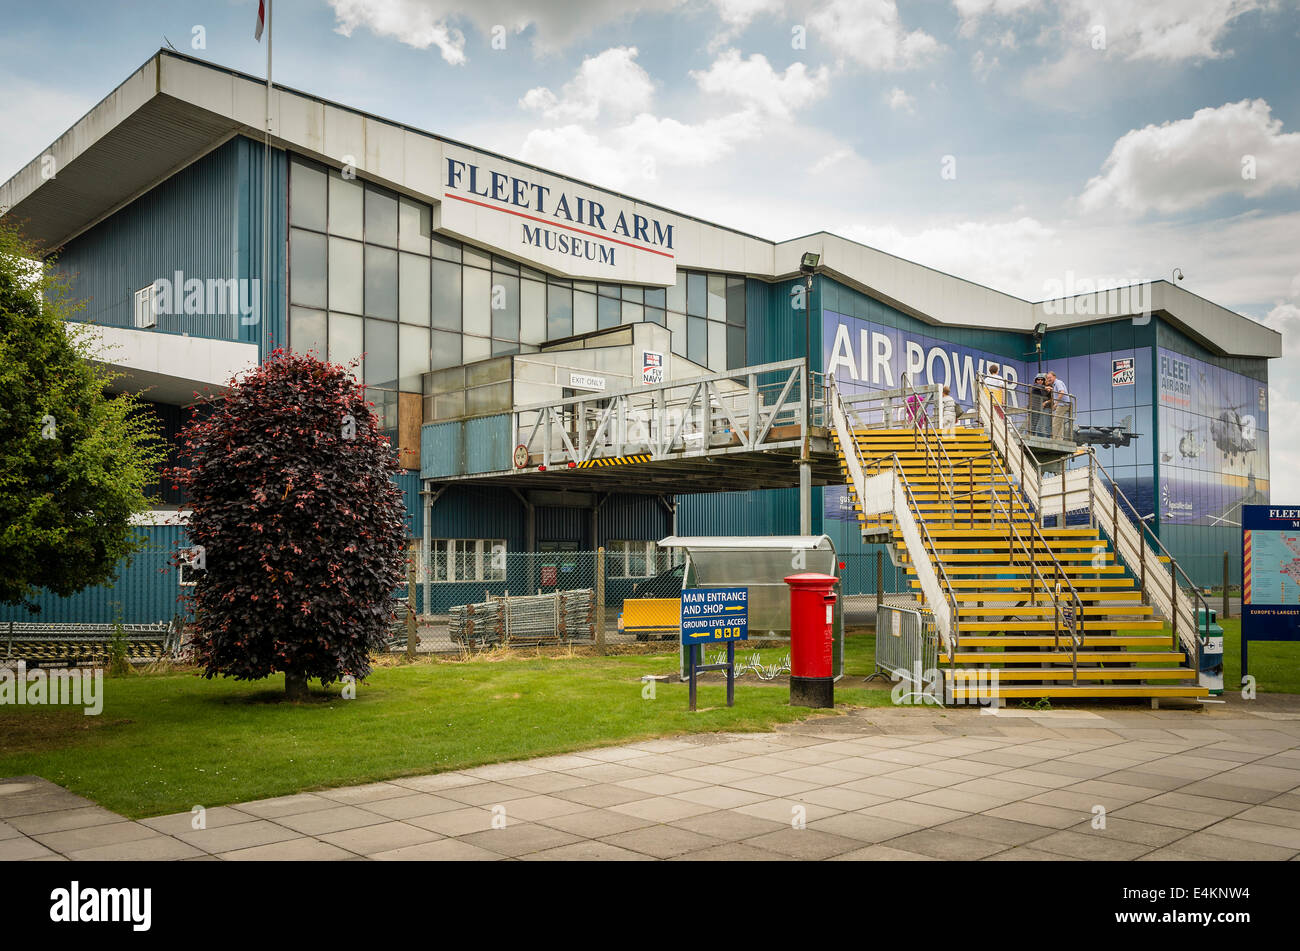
(561, 226)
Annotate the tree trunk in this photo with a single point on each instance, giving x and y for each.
(295, 685)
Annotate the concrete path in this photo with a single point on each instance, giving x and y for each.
(1221, 783)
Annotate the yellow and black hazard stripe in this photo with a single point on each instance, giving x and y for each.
(614, 461)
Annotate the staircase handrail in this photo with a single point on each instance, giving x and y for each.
(1022, 463)
(916, 534)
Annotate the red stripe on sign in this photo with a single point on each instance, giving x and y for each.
(1245, 570)
(545, 221)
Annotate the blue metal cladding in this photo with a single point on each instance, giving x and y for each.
(185, 224)
(146, 590)
(442, 449)
(561, 524)
(466, 446)
(409, 483)
(632, 518)
(273, 330)
(479, 512)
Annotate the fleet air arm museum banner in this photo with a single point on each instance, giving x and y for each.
(1213, 441)
(1270, 573)
(561, 225)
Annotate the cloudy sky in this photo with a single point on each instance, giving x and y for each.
(1101, 139)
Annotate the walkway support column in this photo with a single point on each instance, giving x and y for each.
(805, 497)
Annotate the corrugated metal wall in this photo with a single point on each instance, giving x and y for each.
(462, 447)
(250, 162)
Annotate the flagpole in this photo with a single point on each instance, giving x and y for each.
(266, 192)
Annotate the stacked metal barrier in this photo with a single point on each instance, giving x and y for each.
(532, 620)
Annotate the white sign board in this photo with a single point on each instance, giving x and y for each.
(585, 381)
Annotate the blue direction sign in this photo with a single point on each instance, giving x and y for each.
(711, 615)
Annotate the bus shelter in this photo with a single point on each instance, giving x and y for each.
(761, 563)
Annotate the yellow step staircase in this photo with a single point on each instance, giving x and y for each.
(1003, 575)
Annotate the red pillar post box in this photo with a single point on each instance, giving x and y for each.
(812, 673)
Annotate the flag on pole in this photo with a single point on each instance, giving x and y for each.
(261, 19)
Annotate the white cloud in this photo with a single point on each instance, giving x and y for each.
(740, 13)
(899, 100)
(755, 83)
(982, 66)
(611, 81)
(425, 23)
(870, 33)
(1189, 162)
(831, 159)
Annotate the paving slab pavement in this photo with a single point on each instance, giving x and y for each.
(889, 784)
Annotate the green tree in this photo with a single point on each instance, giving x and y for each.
(75, 462)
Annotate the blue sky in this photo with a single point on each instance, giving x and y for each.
(1102, 139)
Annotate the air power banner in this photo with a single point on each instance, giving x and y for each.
(713, 615)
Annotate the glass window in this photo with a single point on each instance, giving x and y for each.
(697, 295)
(632, 293)
(697, 340)
(413, 307)
(633, 313)
(504, 266)
(717, 297)
(306, 196)
(717, 346)
(476, 348)
(415, 224)
(381, 217)
(445, 350)
(381, 354)
(346, 197)
(584, 312)
(307, 331)
(559, 312)
(609, 290)
(345, 275)
(532, 312)
(345, 338)
(505, 307)
(654, 315)
(446, 248)
(677, 294)
(656, 297)
(736, 347)
(502, 347)
(307, 268)
(446, 295)
(736, 301)
(677, 324)
(413, 357)
(381, 282)
(610, 313)
(475, 257)
(477, 311)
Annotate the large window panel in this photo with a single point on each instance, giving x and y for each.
(736, 301)
(346, 286)
(478, 301)
(306, 268)
(633, 313)
(347, 198)
(446, 295)
(717, 297)
(697, 340)
(445, 350)
(697, 295)
(446, 248)
(381, 217)
(346, 340)
(476, 348)
(736, 356)
(717, 346)
(381, 354)
(584, 312)
(559, 312)
(532, 312)
(413, 281)
(609, 313)
(307, 190)
(654, 315)
(505, 307)
(414, 226)
(381, 283)
(677, 294)
(677, 325)
(475, 257)
(412, 357)
(307, 331)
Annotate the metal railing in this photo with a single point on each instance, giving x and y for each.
(753, 408)
(920, 545)
(1137, 546)
(907, 646)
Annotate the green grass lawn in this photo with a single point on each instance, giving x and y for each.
(1275, 665)
(167, 742)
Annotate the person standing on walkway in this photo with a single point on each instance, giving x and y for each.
(996, 387)
(1039, 395)
(1058, 402)
(947, 411)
